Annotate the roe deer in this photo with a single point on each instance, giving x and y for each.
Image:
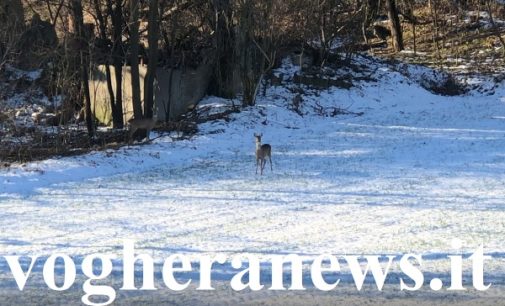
(262, 152)
(144, 124)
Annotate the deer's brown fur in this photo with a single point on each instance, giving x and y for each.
(263, 151)
(144, 124)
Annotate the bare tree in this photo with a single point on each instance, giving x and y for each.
(11, 27)
(371, 9)
(116, 13)
(134, 58)
(396, 27)
(411, 18)
(254, 46)
(496, 29)
(82, 44)
(224, 42)
(8, 46)
(102, 26)
(153, 37)
(433, 5)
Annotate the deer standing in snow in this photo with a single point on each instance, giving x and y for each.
(262, 152)
(144, 124)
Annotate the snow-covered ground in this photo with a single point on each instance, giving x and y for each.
(413, 172)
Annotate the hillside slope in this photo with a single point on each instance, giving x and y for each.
(399, 170)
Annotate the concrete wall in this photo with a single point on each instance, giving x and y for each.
(180, 88)
(100, 100)
(175, 91)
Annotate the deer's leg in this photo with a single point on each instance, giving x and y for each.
(130, 134)
(257, 163)
(270, 159)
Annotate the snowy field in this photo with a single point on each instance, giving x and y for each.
(413, 172)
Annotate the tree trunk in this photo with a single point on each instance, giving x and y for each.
(224, 41)
(250, 61)
(434, 12)
(78, 20)
(134, 58)
(414, 37)
(117, 59)
(396, 27)
(371, 10)
(102, 25)
(153, 37)
(496, 28)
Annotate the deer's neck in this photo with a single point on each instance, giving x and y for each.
(258, 145)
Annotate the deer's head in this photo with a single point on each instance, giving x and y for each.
(258, 137)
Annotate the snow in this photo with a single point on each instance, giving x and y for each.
(483, 18)
(16, 74)
(413, 172)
